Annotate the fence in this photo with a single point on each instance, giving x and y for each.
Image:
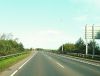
(89, 56)
(11, 55)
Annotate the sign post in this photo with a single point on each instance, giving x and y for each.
(86, 40)
(62, 48)
(92, 32)
(93, 37)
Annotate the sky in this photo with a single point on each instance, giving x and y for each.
(48, 23)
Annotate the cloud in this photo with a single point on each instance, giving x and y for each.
(80, 18)
(88, 2)
(96, 2)
(45, 38)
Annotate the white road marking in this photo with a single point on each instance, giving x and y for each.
(22, 65)
(48, 57)
(14, 73)
(54, 61)
(60, 65)
(82, 61)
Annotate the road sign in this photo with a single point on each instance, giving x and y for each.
(92, 32)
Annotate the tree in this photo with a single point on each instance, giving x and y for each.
(9, 46)
(80, 46)
(3, 37)
(96, 48)
(68, 47)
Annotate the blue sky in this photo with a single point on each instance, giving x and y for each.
(47, 23)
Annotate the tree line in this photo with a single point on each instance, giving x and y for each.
(9, 45)
(79, 47)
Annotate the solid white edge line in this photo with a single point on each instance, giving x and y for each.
(14, 73)
(60, 65)
(22, 65)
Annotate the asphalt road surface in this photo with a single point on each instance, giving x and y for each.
(48, 64)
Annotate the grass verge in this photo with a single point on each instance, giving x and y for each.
(7, 62)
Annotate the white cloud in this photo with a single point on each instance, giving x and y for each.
(81, 18)
(96, 3)
(97, 18)
(45, 38)
(88, 2)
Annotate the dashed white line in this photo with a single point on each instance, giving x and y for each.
(22, 65)
(82, 61)
(60, 65)
(55, 61)
(48, 57)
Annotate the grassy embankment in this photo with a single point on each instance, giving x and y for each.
(8, 61)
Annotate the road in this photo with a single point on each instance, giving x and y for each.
(48, 64)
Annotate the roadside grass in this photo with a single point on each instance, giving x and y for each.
(7, 62)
